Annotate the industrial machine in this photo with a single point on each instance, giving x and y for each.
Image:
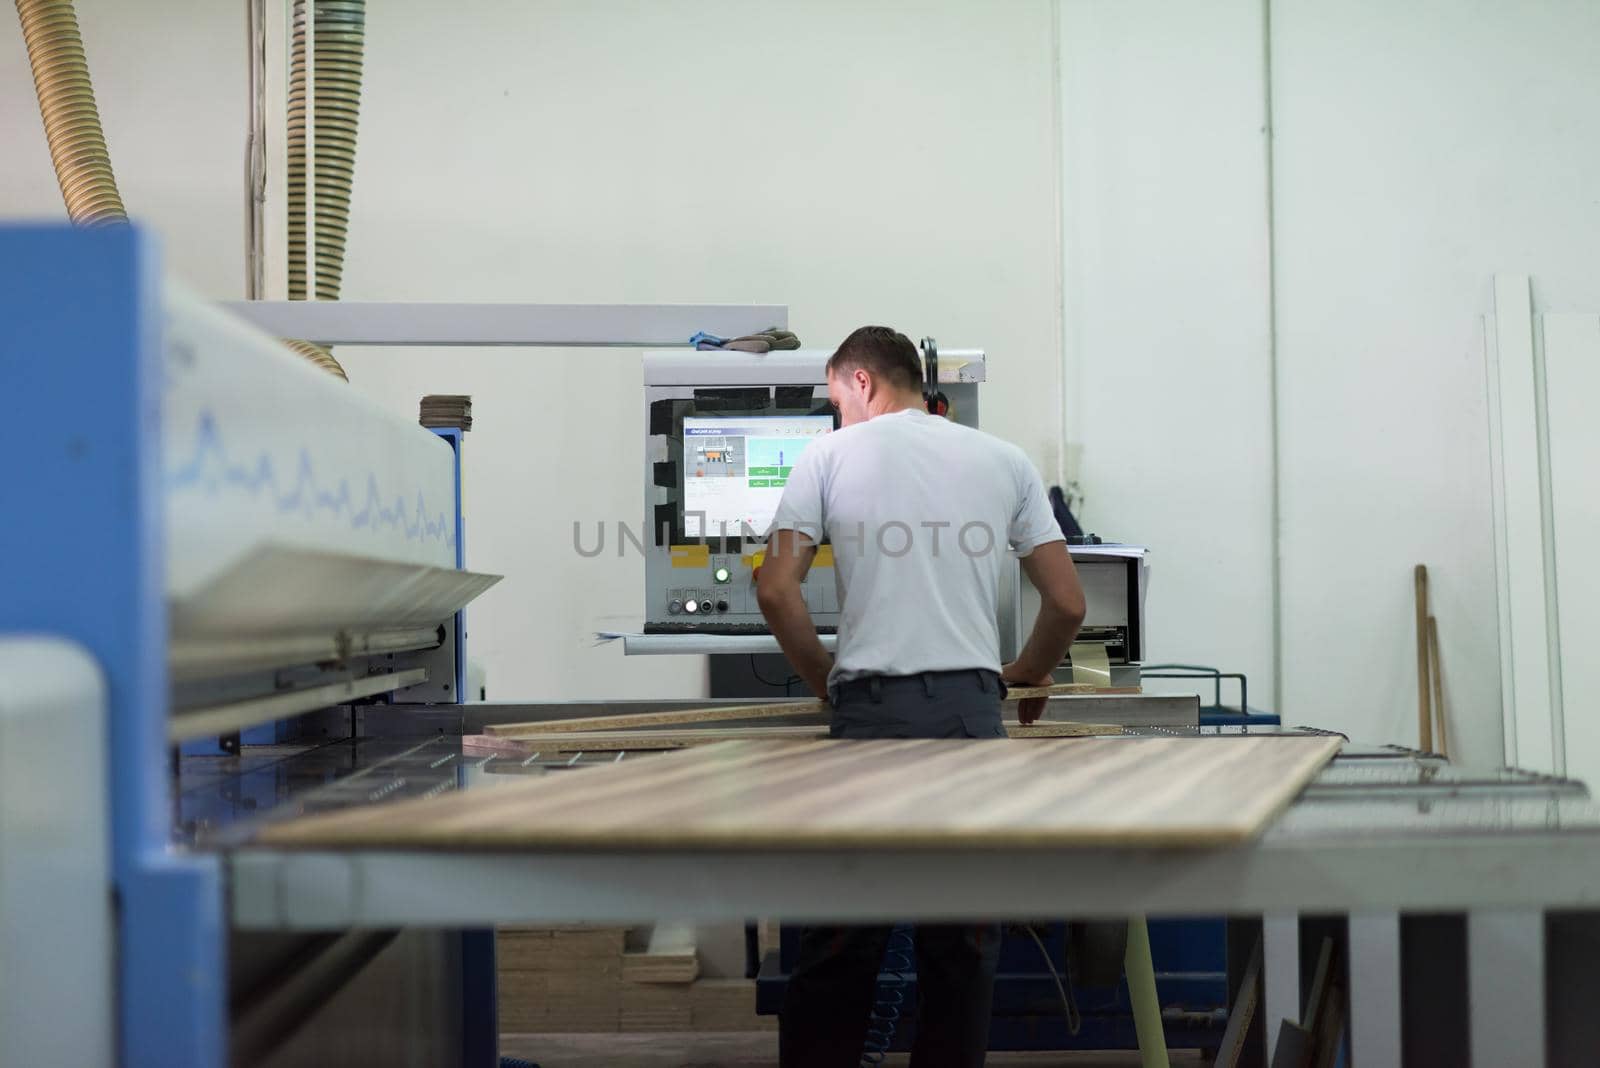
(211, 544)
(237, 577)
(722, 430)
(1114, 579)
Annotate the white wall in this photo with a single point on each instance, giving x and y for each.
(860, 162)
(898, 162)
(891, 162)
(1167, 315)
(1420, 149)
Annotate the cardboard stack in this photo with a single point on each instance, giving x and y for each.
(577, 979)
(447, 409)
(726, 1005)
(560, 979)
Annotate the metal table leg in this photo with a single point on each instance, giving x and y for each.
(1280, 962)
(1375, 989)
(1505, 982)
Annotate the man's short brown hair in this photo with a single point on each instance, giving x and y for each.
(882, 352)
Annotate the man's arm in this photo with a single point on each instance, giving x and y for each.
(788, 558)
(1061, 610)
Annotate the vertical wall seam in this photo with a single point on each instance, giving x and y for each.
(1058, 138)
(1272, 357)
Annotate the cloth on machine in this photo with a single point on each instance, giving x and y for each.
(769, 340)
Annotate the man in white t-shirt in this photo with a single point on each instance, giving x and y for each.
(920, 512)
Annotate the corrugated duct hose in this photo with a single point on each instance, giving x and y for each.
(83, 165)
(71, 120)
(339, 34)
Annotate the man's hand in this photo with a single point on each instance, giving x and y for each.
(1029, 709)
(788, 558)
(1061, 610)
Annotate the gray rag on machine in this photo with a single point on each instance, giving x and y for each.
(766, 341)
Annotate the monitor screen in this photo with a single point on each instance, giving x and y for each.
(735, 468)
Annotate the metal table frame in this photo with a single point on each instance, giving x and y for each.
(1501, 882)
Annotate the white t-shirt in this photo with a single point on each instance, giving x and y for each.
(919, 511)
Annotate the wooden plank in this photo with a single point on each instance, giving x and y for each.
(1572, 378)
(727, 1005)
(561, 950)
(1230, 1050)
(669, 958)
(1424, 689)
(524, 999)
(646, 740)
(725, 713)
(655, 1007)
(915, 794)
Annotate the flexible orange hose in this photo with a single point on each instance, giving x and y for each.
(78, 144)
(339, 40)
(338, 45)
(71, 120)
(320, 356)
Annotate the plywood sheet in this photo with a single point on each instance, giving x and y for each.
(1013, 794)
(767, 710)
(615, 741)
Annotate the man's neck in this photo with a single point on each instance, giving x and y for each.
(894, 402)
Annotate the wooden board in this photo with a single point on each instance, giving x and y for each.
(727, 1005)
(643, 740)
(553, 949)
(670, 957)
(769, 710)
(655, 1007)
(764, 795)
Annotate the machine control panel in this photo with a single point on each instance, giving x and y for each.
(723, 433)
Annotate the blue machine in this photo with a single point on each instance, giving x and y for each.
(83, 333)
(82, 343)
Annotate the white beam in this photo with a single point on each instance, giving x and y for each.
(552, 325)
(1522, 510)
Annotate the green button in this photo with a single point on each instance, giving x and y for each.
(779, 482)
(758, 482)
(784, 471)
(722, 574)
(764, 471)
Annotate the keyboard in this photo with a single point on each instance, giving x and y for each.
(737, 629)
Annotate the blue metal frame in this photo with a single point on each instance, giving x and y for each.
(82, 550)
(480, 1023)
(455, 436)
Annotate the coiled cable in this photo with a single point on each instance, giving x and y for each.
(885, 1017)
(1069, 1005)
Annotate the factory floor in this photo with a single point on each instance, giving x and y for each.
(746, 1050)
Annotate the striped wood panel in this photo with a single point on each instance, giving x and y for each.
(1013, 794)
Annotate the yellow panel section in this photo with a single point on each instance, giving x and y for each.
(691, 555)
(824, 558)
